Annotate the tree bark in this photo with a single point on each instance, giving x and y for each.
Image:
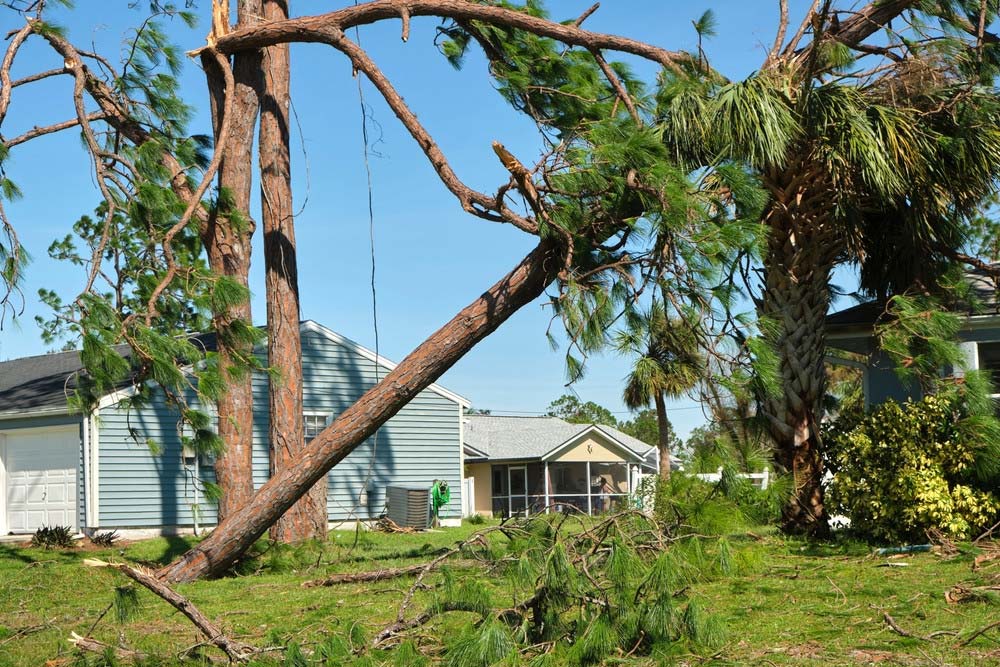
(420, 368)
(802, 249)
(308, 517)
(227, 237)
(663, 435)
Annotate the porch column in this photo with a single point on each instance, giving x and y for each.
(545, 472)
(590, 507)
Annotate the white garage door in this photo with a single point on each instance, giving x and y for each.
(41, 473)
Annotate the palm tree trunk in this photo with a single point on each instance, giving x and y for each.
(663, 436)
(801, 254)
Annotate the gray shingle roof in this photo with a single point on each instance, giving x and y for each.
(37, 383)
(42, 383)
(534, 437)
(867, 313)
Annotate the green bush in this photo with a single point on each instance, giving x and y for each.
(906, 468)
(53, 537)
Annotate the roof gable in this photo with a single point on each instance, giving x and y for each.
(590, 431)
(334, 337)
(500, 438)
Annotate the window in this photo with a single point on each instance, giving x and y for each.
(989, 360)
(313, 423)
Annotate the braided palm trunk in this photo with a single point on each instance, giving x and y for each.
(802, 251)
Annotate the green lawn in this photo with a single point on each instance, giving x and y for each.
(792, 603)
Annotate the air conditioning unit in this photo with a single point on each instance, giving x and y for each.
(409, 505)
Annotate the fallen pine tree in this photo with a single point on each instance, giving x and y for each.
(555, 588)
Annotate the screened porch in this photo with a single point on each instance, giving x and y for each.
(590, 487)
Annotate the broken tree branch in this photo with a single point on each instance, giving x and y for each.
(235, 650)
(468, 197)
(315, 28)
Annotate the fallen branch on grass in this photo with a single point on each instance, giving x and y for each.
(987, 557)
(980, 631)
(376, 575)
(94, 646)
(235, 650)
(894, 626)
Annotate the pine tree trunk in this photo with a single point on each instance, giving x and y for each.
(663, 436)
(801, 254)
(420, 368)
(227, 237)
(306, 518)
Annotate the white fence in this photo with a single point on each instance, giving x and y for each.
(468, 496)
(758, 479)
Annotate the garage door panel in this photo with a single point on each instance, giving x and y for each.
(41, 479)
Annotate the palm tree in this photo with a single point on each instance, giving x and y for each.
(878, 164)
(666, 365)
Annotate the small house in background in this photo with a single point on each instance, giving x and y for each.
(853, 330)
(99, 471)
(526, 465)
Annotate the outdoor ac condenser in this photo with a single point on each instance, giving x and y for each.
(409, 505)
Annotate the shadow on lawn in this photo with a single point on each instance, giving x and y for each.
(31, 555)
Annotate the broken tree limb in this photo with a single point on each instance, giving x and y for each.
(980, 631)
(373, 575)
(235, 650)
(94, 646)
(417, 371)
(894, 626)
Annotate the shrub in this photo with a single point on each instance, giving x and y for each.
(104, 539)
(906, 468)
(53, 537)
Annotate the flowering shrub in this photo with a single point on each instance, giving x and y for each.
(908, 467)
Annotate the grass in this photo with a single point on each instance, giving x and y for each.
(785, 602)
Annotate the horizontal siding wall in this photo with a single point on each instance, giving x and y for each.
(417, 446)
(140, 489)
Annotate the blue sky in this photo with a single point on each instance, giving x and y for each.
(431, 258)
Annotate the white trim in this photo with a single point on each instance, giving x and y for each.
(33, 412)
(114, 398)
(593, 428)
(310, 325)
(548, 491)
(87, 500)
(461, 464)
(95, 458)
(3, 484)
(478, 453)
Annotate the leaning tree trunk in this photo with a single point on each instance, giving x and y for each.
(226, 236)
(663, 435)
(420, 368)
(798, 266)
(306, 518)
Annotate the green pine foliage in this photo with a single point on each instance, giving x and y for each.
(576, 591)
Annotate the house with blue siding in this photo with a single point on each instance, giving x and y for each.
(125, 468)
(853, 330)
